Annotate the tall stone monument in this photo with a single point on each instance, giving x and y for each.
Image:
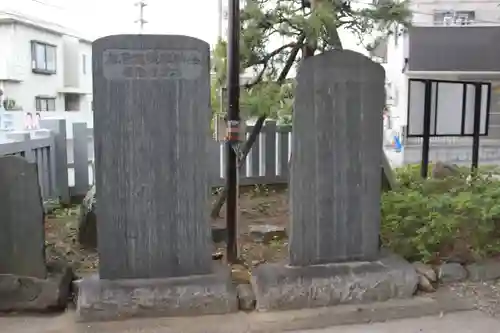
(151, 131)
(335, 192)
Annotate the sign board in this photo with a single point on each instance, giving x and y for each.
(452, 106)
(220, 123)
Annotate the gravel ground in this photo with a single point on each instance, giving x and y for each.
(485, 295)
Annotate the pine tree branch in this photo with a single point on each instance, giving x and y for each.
(271, 55)
(257, 128)
(288, 65)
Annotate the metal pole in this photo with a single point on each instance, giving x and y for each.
(424, 168)
(141, 19)
(233, 119)
(477, 126)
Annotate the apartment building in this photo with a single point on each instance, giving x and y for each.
(456, 40)
(43, 67)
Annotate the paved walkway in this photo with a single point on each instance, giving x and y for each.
(460, 322)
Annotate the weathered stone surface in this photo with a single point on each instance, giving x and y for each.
(282, 287)
(246, 297)
(87, 221)
(484, 271)
(151, 132)
(425, 285)
(23, 293)
(22, 238)
(426, 271)
(451, 272)
(101, 300)
(442, 170)
(335, 184)
(266, 233)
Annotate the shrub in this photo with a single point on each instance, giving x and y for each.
(433, 220)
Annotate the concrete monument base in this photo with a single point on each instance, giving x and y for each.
(283, 287)
(24, 293)
(103, 300)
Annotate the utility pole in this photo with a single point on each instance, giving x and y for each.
(220, 14)
(310, 47)
(233, 128)
(141, 20)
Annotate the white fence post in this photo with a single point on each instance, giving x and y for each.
(58, 128)
(80, 159)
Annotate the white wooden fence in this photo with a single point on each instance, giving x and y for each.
(66, 165)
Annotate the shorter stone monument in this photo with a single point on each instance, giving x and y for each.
(27, 283)
(151, 132)
(335, 191)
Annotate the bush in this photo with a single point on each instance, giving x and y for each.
(456, 218)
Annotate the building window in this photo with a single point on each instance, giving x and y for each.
(84, 63)
(45, 103)
(71, 102)
(450, 17)
(465, 17)
(43, 58)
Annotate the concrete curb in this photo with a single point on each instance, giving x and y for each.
(273, 322)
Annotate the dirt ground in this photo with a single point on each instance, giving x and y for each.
(61, 243)
(258, 205)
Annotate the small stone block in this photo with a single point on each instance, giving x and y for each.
(103, 300)
(23, 293)
(282, 287)
(246, 297)
(266, 233)
(484, 271)
(451, 272)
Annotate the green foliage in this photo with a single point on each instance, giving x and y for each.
(432, 220)
(272, 29)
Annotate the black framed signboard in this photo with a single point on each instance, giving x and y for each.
(438, 108)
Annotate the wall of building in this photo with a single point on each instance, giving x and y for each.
(32, 84)
(6, 34)
(22, 85)
(397, 83)
(487, 12)
(85, 81)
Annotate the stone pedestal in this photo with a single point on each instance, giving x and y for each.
(285, 287)
(335, 191)
(151, 134)
(27, 293)
(100, 299)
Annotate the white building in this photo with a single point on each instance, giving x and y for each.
(452, 40)
(43, 67)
